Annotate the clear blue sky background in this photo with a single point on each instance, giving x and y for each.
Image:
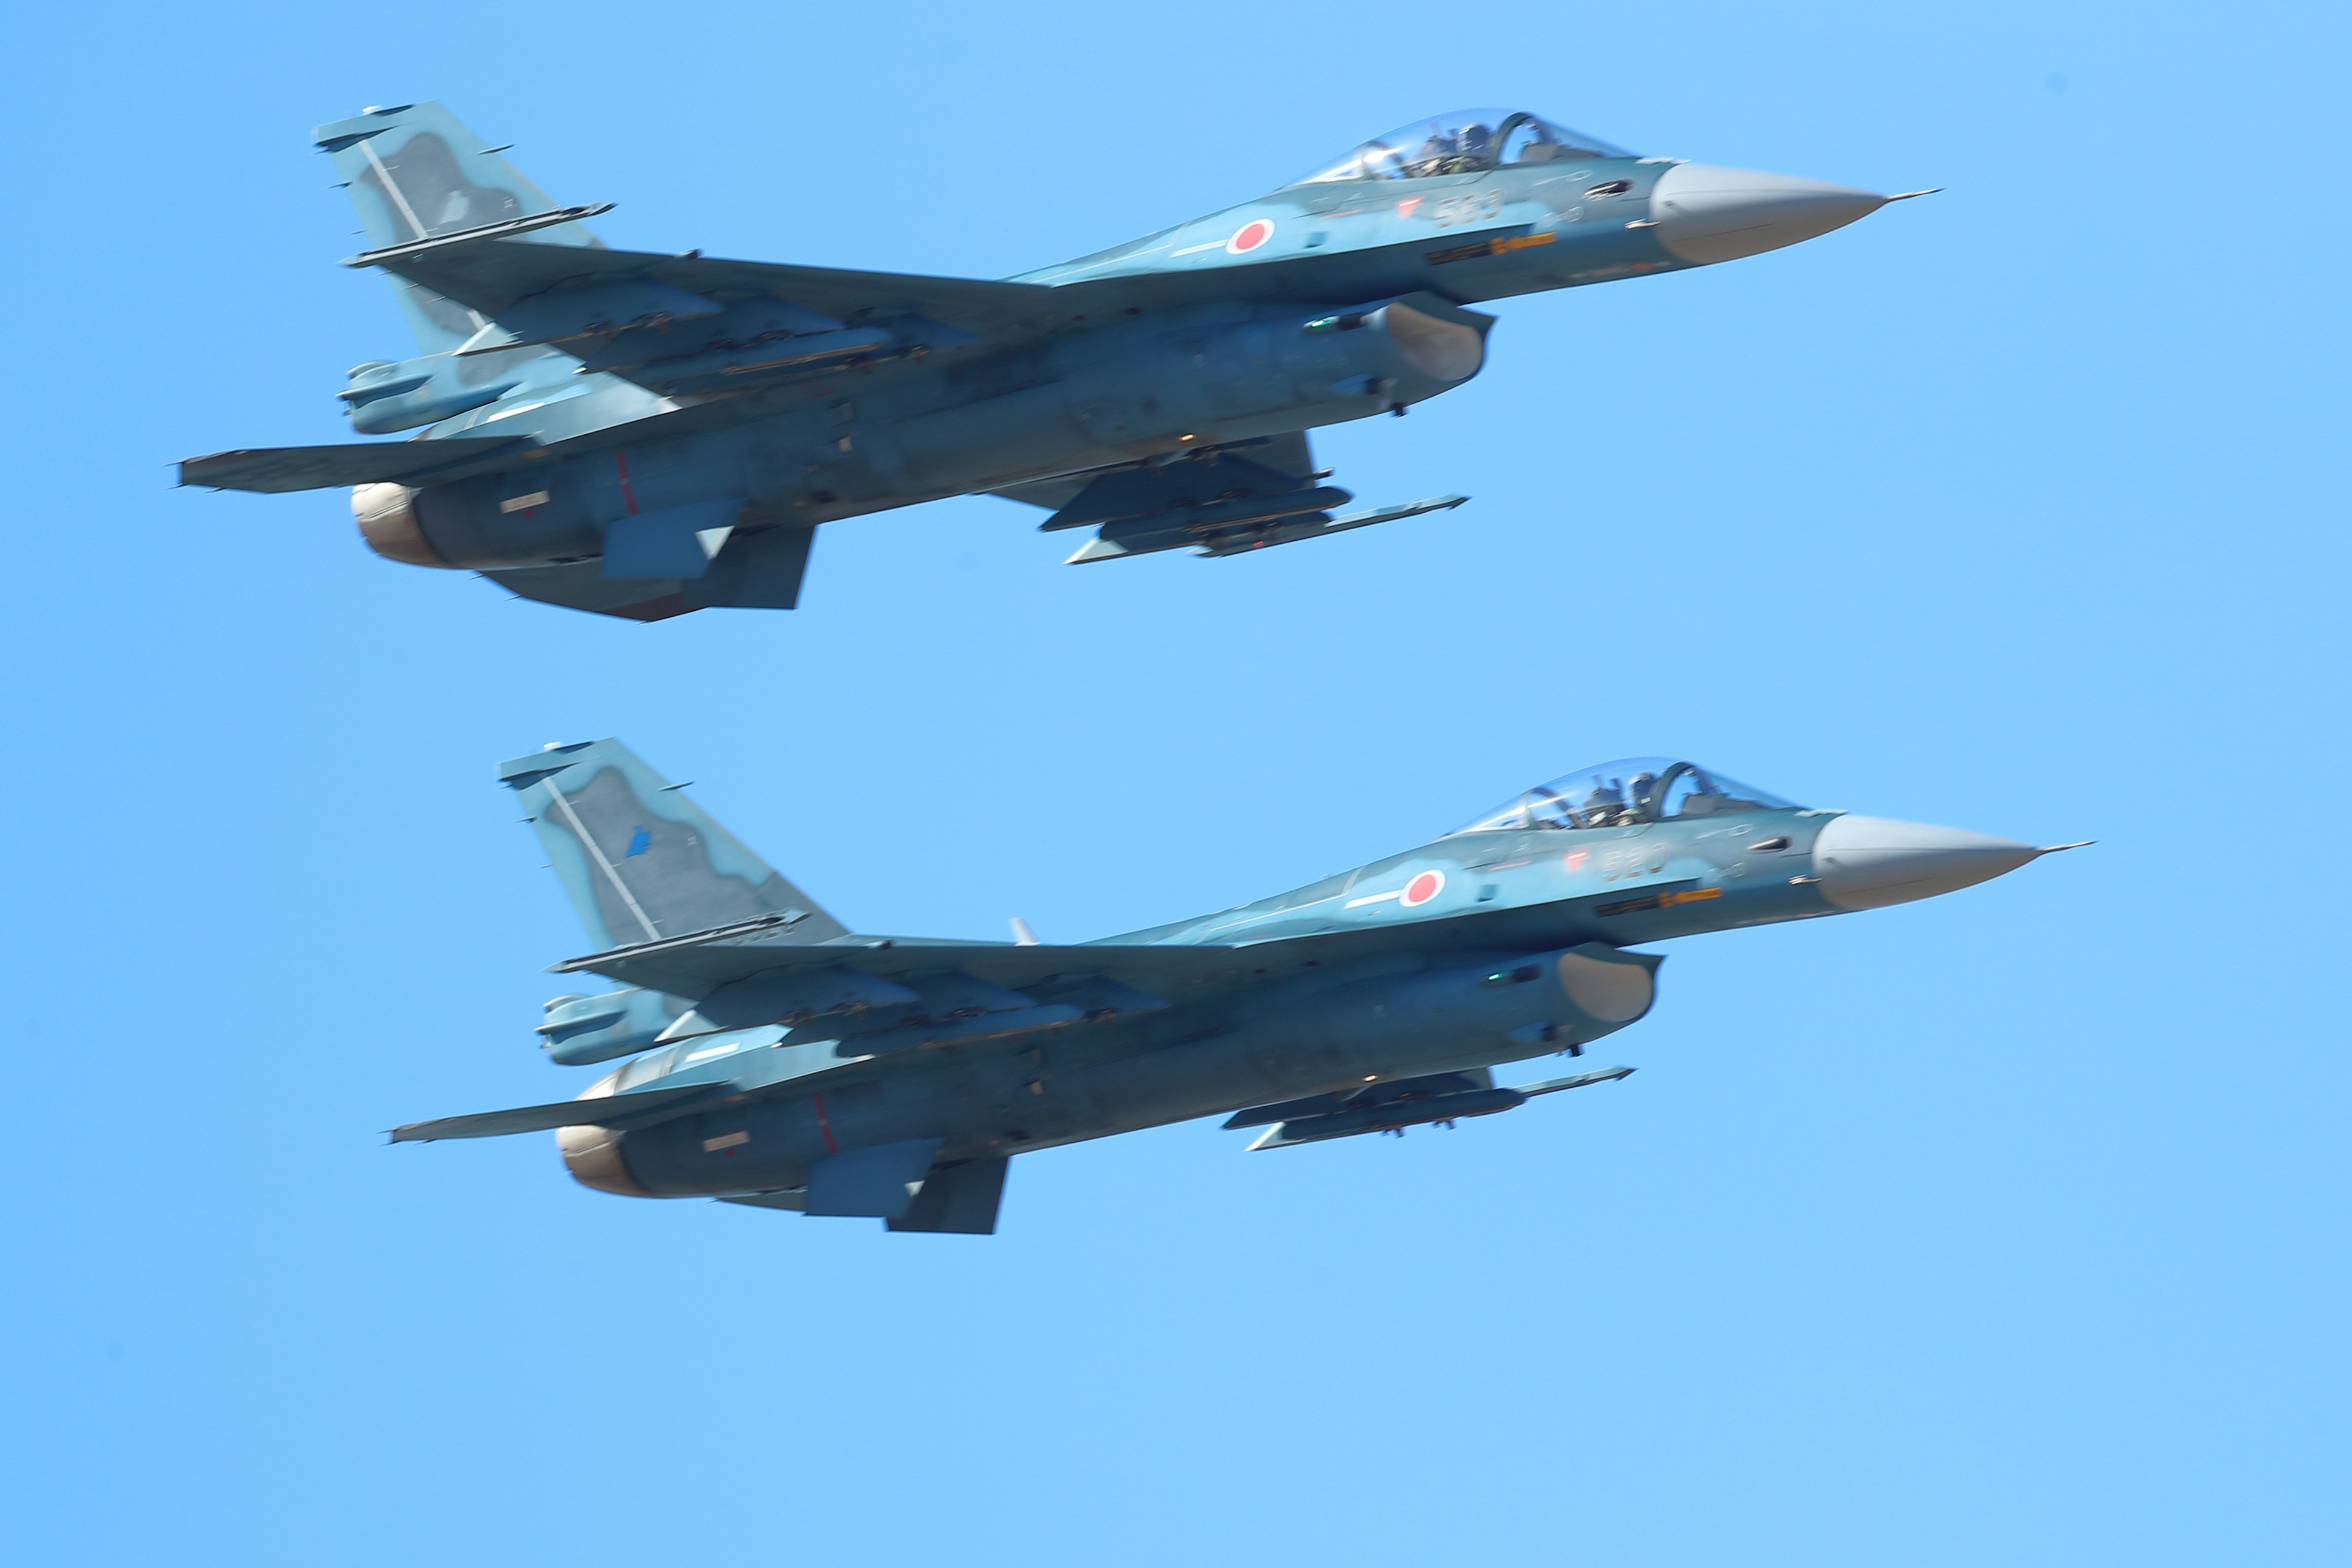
(2006, 1228)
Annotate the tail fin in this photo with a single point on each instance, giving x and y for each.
(640, 861)
(415, 171)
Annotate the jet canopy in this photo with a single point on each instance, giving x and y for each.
(1467, 142)
(1624, 793)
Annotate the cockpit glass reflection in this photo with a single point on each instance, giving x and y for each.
(1467, 142)
(1625, 794)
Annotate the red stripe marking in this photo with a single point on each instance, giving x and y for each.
(628, 491)
(824, 1126)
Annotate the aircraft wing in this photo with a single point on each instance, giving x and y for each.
(1427, 1086)
(1221, 500)
(490, 275)
(699, 962)
(274, 470)
(694, 964)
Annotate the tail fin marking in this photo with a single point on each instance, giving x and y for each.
(639, 860)
(640, 839)
(415, 171)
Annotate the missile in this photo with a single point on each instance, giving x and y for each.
(1415, 1111)
(1172, 531)
(1241, 541)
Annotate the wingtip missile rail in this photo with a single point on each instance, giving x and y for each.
(1241, 539)
(1414, 1109)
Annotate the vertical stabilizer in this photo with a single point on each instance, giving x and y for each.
(638, 859)
(413, 171)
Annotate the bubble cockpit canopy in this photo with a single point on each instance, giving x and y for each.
(1624, 794)
(1467, 142)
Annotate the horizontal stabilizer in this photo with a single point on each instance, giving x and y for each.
(600, 1112)
(276, 470)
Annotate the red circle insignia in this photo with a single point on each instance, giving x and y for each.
(1250, 235)
(1422, 889)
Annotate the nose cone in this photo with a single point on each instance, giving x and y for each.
(1705, 214)
(1869, 862)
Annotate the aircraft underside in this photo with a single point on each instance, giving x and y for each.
(646, 434)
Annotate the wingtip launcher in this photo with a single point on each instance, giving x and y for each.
(507, 229)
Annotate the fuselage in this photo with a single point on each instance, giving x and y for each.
(1215, 333)
(1491, 945)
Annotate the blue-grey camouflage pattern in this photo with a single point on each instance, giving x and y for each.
(643, 434)
(781, 1062)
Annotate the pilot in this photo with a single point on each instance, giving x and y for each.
(1540, 147)
(1704, 796)
(1644, 807)
(1431, 156)
(1473, 146)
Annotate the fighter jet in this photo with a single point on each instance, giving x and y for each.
(646, 434)
(781, 1062)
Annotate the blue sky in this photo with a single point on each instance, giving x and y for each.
(2008, 1227)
